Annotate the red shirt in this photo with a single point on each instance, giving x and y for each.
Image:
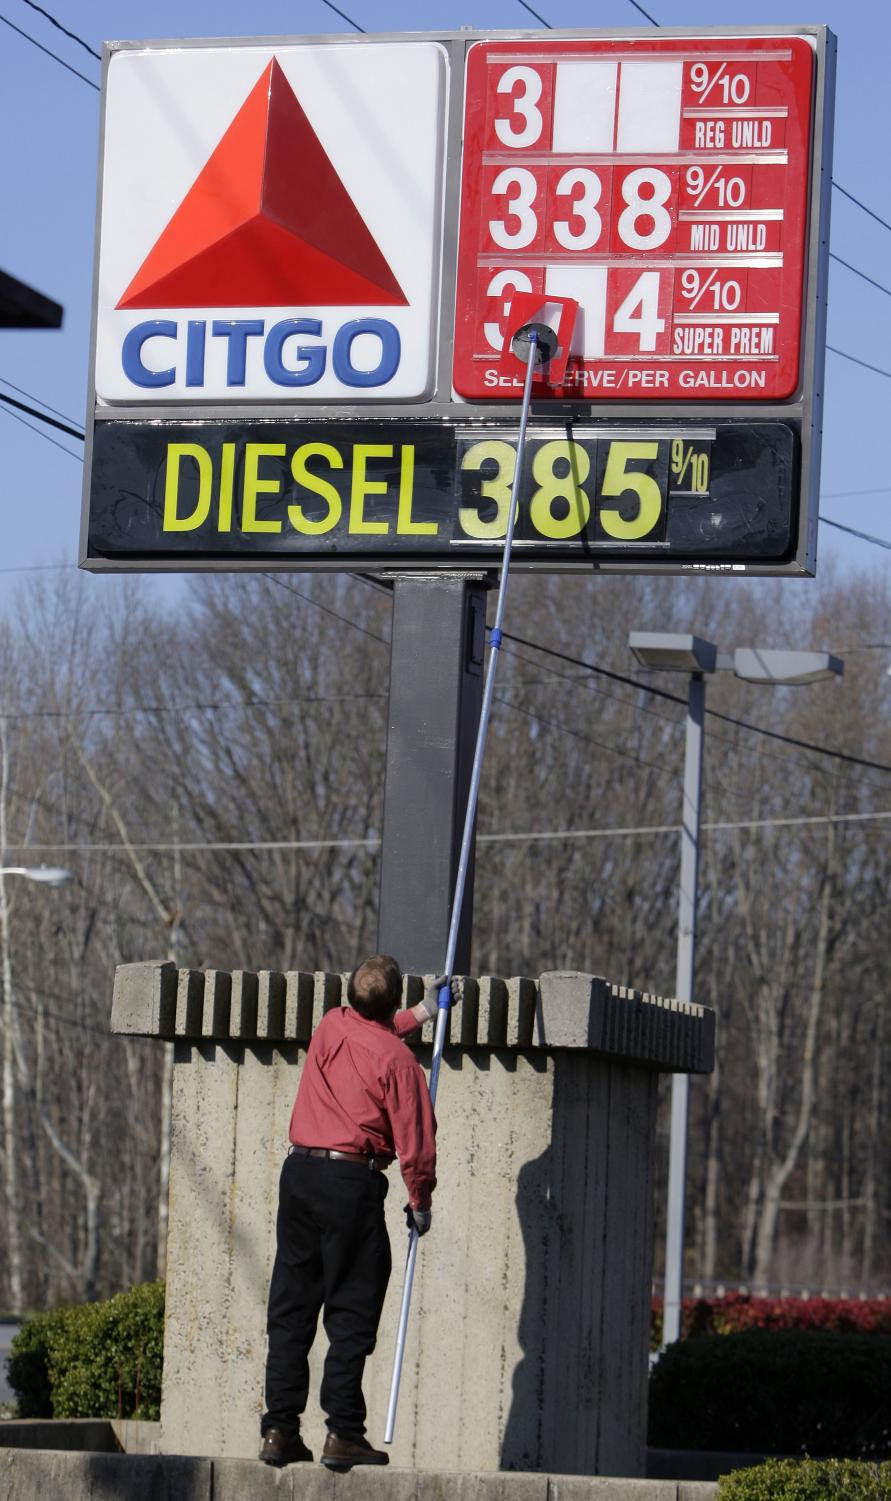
(362, 1090)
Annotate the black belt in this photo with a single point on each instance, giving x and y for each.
(376, 1164)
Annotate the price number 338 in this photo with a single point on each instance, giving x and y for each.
(622, 484)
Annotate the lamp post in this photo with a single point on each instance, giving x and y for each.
(12, 1059)
(661, 652)
(49, 875)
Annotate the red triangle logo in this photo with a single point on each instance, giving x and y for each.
(266, 223)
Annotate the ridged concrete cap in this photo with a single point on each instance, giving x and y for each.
(561, 1009)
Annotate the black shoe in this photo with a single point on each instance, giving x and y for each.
(343, 1453)
(276, 1450)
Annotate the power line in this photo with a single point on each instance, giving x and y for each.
(564, 729)
(189, 846)
(614, 750)
(511, 836)
(675, 828)
(535, 14)
(850, 494)
(58, 1016)
(714, 737)
(344, 620)
(64, 427)
(807, 745)
(742, 724)
(344, 17)
(31, 397)
(37, 567)
(100, 712)
(864, 536)
(862, 274)
(839, 189)
(64, 29)
(644, 12)
(54, 55)
(605, 672)
(854, 361)
(78, 458)
(865, 646)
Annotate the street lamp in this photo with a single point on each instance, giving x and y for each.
(49, 875)
(11, 1061)
(661, 652)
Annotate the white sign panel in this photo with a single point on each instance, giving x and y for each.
(271, 224)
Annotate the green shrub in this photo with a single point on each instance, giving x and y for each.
(775, 1393)
(27, 1364)
(808, 1480)
(96, 1360)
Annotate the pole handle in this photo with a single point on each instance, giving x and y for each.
(444, 1000)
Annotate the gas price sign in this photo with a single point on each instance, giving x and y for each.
(301, 325)
(662, 184)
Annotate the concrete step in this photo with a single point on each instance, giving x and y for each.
(40, 1474)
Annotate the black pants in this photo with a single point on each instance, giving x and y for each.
(332, 1252)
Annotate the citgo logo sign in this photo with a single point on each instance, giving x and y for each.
(286, 248)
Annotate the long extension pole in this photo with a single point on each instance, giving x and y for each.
(444, 1001)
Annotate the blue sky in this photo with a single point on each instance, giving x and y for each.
(49, 126)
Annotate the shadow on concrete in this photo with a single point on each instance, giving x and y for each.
(136, 1477)
(523, 1443)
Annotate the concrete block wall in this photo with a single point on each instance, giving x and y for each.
(528, 1341)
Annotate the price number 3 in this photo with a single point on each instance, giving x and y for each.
(622, 483)
(643, 222)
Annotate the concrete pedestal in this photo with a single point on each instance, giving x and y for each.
(528, 1341)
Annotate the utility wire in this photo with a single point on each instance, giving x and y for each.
(644, 12)
(58, 1016)
(63, 427)
(857, 272)
(852, 494)
(344, 620)
(715, 738)
(854, 361)
(604, 672)
(189, 708)
(743, 724)
(717, 826)
(31, 397)
(536, 15)
(839, 189)
(864, 536)
(865, 646)
(38, 567)
(613, 750)
(64, 29)
(54, 55)
(344, 17)
(78, 458)
(222, 846)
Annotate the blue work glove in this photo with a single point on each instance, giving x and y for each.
(418, 1219)
(430, 1002)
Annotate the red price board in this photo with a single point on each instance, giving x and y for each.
(660, 182)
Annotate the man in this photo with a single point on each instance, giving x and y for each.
(362, 1100)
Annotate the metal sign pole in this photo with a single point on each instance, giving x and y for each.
(460, 879)
(673, 1305)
